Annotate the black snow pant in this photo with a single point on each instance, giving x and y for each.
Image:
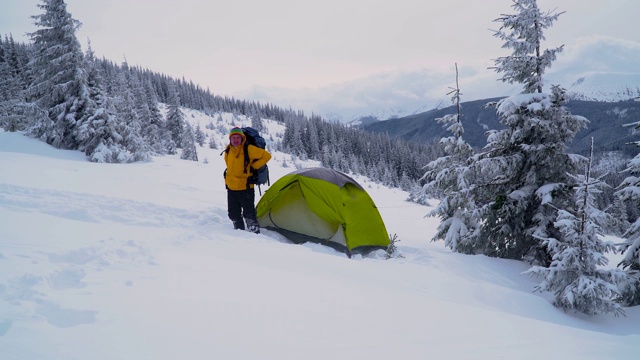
(241, 208)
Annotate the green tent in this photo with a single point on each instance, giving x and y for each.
(324, 206)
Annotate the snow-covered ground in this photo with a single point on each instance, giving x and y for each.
(139, 261)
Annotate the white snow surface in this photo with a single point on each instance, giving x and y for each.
(139, 261)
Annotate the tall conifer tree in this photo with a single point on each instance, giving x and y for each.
(175, 118)
(188, 145)
(98, 131)
(59, 87)
(452, 177)
(525, 165)
(128, 124)
(154, 133)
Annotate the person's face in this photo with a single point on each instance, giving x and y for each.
(235, 140)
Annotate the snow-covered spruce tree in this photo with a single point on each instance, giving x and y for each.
(256, 123)
(523, 167)
(175, 117)
(98, 131)
(452, 177)
(200, 136)
(212, 143)
(527, 161)
(156, 127)
(313, 137)
(132, 140)
(629, 191)
(292, 138)
(103, 143)
(575, 274)
(142, 108)
(406, 183)
(128, 124)
(619, 219)
(17, 59)
(188, 145)
(59, 85)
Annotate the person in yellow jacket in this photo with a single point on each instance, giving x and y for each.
(241, 194)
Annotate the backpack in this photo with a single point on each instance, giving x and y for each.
(258, 176)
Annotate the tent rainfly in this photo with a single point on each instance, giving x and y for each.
(323, 206)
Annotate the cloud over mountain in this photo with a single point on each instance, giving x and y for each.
(595, 68)
(599, 68)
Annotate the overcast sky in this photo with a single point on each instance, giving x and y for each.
(233, 46)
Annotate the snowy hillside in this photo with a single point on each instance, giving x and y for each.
(139, 261)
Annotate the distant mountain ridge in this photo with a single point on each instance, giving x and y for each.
(602, 86)
(606, 120)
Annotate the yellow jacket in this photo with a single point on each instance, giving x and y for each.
(235, 176)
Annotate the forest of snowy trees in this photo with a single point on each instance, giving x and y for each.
(520, 197)
(73, 100)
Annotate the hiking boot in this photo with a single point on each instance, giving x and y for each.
(238, 225)
(254, 229)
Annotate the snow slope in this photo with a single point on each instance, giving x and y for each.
(139, 261)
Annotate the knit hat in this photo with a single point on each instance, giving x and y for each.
(236, 131)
